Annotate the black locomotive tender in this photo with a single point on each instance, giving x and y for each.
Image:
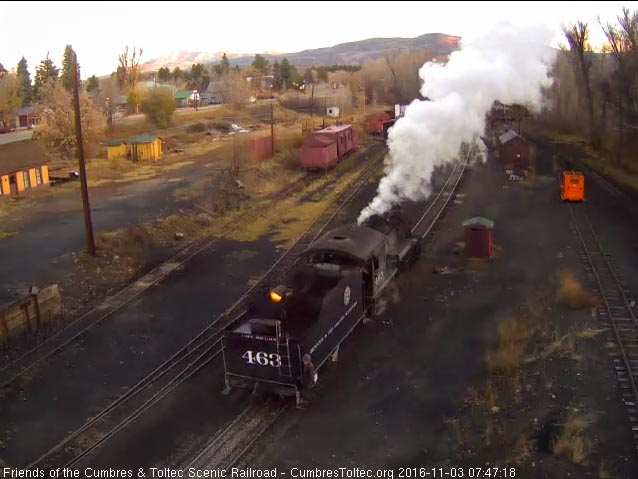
(332, 286)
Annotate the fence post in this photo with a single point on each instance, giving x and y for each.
(5, 327)
(36, 304)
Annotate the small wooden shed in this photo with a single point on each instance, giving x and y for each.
(478, 237)
(115, 149)
(145, 147)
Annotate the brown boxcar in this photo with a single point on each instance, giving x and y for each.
(344, 136)
(318, 152)
(374, 122)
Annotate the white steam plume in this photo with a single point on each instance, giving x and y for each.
(509, 64)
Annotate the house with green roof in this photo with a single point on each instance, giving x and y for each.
(182, 97)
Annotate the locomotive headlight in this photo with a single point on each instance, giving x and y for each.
(277, 294)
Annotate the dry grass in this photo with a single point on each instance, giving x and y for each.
(513, 335)
(572, 442)
(570, 293)
(523, 449)
(6, 234)
(483, 398)
(131, 243)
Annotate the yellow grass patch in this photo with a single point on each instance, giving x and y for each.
(570, 293)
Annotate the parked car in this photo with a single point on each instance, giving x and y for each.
(211, 101)
(7, 128)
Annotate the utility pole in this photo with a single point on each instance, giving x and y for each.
(272, 123)
(88, 226)
(312, 101)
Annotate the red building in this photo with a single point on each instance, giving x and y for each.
(478, 237)
(514, 150)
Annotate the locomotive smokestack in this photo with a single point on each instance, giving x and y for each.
(509, 64)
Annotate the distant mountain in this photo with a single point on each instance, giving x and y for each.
(185, 59)
(348, 53)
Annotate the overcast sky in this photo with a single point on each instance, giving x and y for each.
(99, 31)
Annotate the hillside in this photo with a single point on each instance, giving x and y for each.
(350, 53)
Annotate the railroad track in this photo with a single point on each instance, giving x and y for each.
(228, 448)
(615, 310)
(191, 358)
(75, 329)
(424, 226)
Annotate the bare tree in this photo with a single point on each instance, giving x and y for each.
(390, 58)
(57, 126)
(128, 72)
(235, 90)
(577, 36)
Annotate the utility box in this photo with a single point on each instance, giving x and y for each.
(333, 111)
(478, 237)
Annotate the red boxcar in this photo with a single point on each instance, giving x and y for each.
(345, 136)
(374, 122)
(318, 152)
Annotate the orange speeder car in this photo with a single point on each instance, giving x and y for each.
(572, 186)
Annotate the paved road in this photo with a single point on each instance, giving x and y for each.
(18, 135)
(55, 227)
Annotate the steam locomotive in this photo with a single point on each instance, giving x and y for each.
(294, 328)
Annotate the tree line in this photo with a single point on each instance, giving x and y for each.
(595, 92)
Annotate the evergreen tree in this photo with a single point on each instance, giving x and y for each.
(93, 84)
(178, 74)
(44, 72)
(24, 79)
(223, 67)
(276, 73)
(164, 74)
(67, 68)
(261, 64)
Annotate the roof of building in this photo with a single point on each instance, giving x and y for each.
(183, 94)
(356, 242)
(479, 220)
(319, 141)
(25, 110)
(509, 135)
(147, 84)
(213, 87)
(142, 139)
(20, 155)
(335, 128)
(113, 142)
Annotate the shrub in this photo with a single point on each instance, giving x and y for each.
(159, 106)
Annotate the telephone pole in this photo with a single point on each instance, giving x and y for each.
(88, 226)
(272, 123)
